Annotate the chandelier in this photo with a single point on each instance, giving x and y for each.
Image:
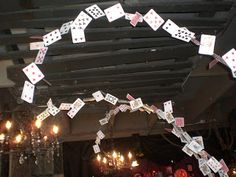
(111, 161)
(31, 143)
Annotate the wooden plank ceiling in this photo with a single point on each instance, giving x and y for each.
(116, 58)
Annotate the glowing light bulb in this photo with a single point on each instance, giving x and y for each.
(134, 163)
(122, 158)
(55, 129)
(130, 155)
(2, 137)
(38, 123)
(18, 138)
(104, 160)
(114, 154)
(98, 158)
(8, 125)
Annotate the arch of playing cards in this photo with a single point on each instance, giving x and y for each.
(194, 146)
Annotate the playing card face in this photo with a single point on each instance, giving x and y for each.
(170, 27)
(33, 73)
(207, 44)
(183, 34)
(123, 107)
(82, 20)
(224, 166)
(114, 12)
(42, 116)
(96, 149)
(49, 103)
(135, 104)
(111, 99)
(65, 106)
(179, 121)
(41, 55)
(168, 107)
(230, 59)
(53, 110)
(199, 140)
(98, 96)
(103, 121)
(51, 37)
(187, 137)
(195, 147)
(77, 34)
(170, 118)
(129, 16)
(36, 45)
(175, 133)
(95, 11)
(205, 169)
(187, 150)
(161, 114)
(135, 19)
(78, 104)
(154, 108)
(28, 92)
(65, 28)
(116, 111)
(100, 134)
(201, 161)
(97, 141)
(129, 97)
(73, 112)
(153, 19)
(222, 173)
(214, 164)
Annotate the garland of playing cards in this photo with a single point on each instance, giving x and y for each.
(193, 145)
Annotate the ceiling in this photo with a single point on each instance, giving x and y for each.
(116, 57)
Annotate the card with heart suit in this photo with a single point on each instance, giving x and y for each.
(114, 12)
(28, 92)
(98, 96)
(77, 34)
(153, 19)
(51, 37)
(65, 28)
(95, 11)
(230, 59)
(179, 121)
(96, 149)
(33, 73)
(170, 27)
(207, 44)
(42, 116)
(135, 19)
(65, 106)
(41, 55)
(82, 20)
(136, 104)
(214, 164)
(129, 16)
(36, 45)
(100, 134)
(111, 99)
(224, 166)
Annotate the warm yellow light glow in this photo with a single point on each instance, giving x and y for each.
(234, 171)
(45, 138)
(122, 158)
(114, 154)
(2, 137)
(18, 138)
(98, 158)
(130, 155)
(55, 129)
(134, 163)
(104, 160)
(38, 123)
(8, 125)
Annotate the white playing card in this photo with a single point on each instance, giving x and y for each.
(135, 19)
(65, 28)
(103, 121)
(36, 45)
(187, 137)
(41, 55)
(183, 34)
(199, 140)
(28, 92)
(175, 133)
(42, 116)
(230, 59)
(170, 27)
(98, 140)
(214, 164)
(207, 44)
(195, 147)
(153, 19)
(95, 11)
(100, 134)
(222, 173)
(98, 96)
(179, 121)
(123, 107)
(78, 104)
(51, 37)
(72, 112)
(116, 111)
(49, 103)
(82, 20)
(205, 169)
(224, 166)
(129, 16)
(53, 110)
(96, 149)
(33, 73)
(187, 150)
(114, 12)
(77, 34)
(65, 106)
(111, 99)
(161, 114)
(169, 118)
(168, 107)
(135, 104)
(201, 161)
